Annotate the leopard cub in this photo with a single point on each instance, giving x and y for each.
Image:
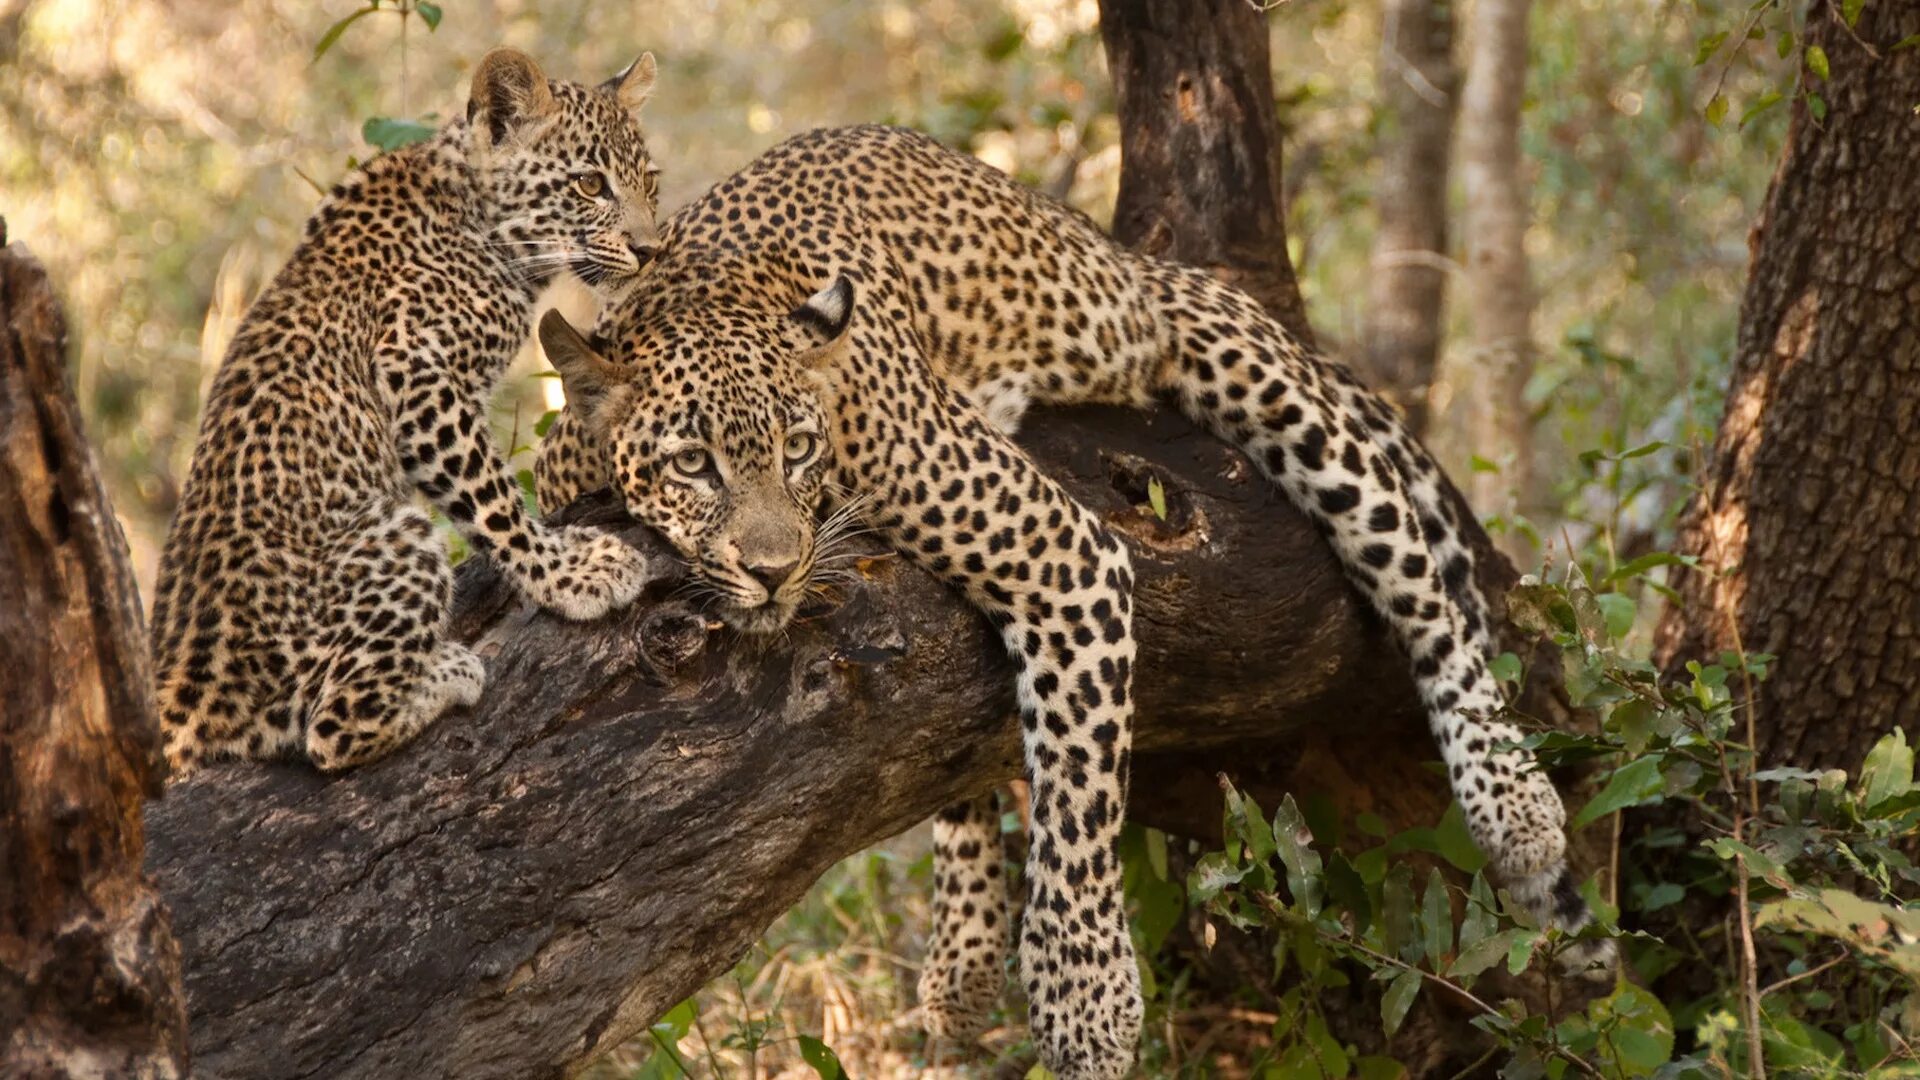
(303, 594)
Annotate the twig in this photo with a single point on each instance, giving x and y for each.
(1749, 960)
(1430, 260)
(1807, 974)
(1834, 14)
(1474, 1068)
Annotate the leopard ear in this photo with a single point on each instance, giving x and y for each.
(635, 85)
(509, 99)
(821, 323)
(591, 380)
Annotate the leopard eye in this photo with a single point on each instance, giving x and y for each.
(692, 462)
(590, 185)
(801, 446)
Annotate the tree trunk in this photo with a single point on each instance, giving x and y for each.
(1199, 183)
(1807, 524)
(89, 973)
(635, 800)
(1408, 280)
(1199, 149)
(1486, 383)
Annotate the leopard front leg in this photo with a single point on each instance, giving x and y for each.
(965, 963)
(1058, 585)
(449, 454)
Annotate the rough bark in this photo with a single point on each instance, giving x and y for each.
(1199, 149)
(1807, 524)
(635, 800)
(1409, 269)
(1485, 382)
(89, 973)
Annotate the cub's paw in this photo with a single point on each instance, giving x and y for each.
(457, 675)
(593, 574)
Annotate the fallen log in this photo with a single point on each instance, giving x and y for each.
(636, 800)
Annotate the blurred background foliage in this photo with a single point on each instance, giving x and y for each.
(161, 156)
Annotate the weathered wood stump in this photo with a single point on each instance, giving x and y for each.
(89, 975)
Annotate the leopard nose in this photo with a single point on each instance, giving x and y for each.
(772, 575)
(643, 250)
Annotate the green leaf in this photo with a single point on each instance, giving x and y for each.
(1483, 913)
(1157, 853)
(1436, 918)
(1817, 61)
(1346, 889)
(1398, 999)
(1888, 770)
(1505, 667)
(1637, 781)
(1480, 464)
(333, 33)
(1212, 875)
(1911, 41)
(1817, 105)
(1640, 566)
(545, 423)
(1486, 952)
(1291, 837)
(1157, 497)
(1850, 11)
(1380, 1068)
(1453, 841)
(390, 134)
(1521, 954)
(1637, 1026)
(677, 1022)
(1717, 110)
(1707, 47)
(1620, 611)
(1783, 44)
(1665, 894)
(429, 13)
(1761, 104)
(1396, 916)
(1759, 863)
(822, 1058)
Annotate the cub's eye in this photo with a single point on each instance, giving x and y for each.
(590, 185)
(692, 462)
(801, 446)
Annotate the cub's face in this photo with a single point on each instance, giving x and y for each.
(715, 436)
(565, 170)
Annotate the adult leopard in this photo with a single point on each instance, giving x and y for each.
(302, 594)
(741, 393)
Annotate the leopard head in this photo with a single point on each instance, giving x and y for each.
(716, 435)
(564, 170)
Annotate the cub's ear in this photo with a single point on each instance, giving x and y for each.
(635, 85)
(509, 99)
(590, 379)
(821, 323)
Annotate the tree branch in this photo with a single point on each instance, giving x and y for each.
(636, 800)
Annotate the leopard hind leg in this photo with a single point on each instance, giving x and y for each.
(965, 965)
(388, 669)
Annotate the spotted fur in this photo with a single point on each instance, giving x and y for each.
(302, 595)
(958, 298)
